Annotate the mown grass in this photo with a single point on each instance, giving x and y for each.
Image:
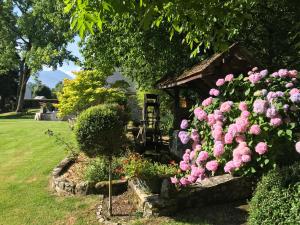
(27, 157)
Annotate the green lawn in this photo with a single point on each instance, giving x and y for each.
(27, 157)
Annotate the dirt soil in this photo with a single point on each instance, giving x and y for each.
(76, 171)
(123, 208)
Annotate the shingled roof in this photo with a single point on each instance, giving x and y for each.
(235, 59)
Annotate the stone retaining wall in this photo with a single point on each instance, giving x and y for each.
(213, 190)
(64, 186)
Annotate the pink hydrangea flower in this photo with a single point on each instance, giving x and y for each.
(297, 146)
(217, 134)
(212, 165)
(261, 148)
(254, 69)
(293, 73)
(271, 112)
(263, 73)
(218, 149)
(174, 180)
(184, 124)
(200, 114)
(237, 162)
(255, 129)
(195, 135)
(245, 114)
(240, 138)
(260, 106)
(254, 78)
(207, 102)
(197, 171)
(294, 91)
(243, 106)
(283, 72)
(220, 82)
(295, 98)
(242, 124)
(229, 167)
(184, 137)
(183, 181)
(246, 158)
(184, 166)
(191, 179)
(192, 155)
(226, 106)
(289, 85)
(229, 77)
(276, 121)
(218, 115)
(186, 157)
(279, 93)
(214, 92)
(198, 147)
(271, 96)
(211, 119)
(203, 156)
(232, 129)
(228, 138)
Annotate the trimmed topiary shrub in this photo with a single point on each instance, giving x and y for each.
(99, 129)
(277, 197)
(99, 132)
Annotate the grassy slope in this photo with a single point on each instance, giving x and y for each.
(27, 157)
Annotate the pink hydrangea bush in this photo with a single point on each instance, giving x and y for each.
(248, 125)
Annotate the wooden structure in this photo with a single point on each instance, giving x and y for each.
(150, 125)
(202, 77)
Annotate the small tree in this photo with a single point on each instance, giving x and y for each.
(99, 131)
(89, 88)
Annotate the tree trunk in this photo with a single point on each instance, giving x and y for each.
(110, 187)
(24, 77)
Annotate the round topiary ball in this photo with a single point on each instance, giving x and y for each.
(99, 129)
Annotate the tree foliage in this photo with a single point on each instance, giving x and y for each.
(40, 89)
(89, 88)
(144, 56)
(270, 27)
(33, 33)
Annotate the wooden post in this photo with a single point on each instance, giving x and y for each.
(110, 187)
(176, 109)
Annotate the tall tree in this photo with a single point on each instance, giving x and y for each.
(270, 28)
(144, 56)
(38, 33)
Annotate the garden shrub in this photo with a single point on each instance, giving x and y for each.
(277, 197)
(135, 165)
(99, 129)
(248, 125)
(97, 170)
(89, 88)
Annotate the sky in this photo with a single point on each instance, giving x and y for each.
(68, 67)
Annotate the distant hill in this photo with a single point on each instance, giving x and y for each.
(51, 78)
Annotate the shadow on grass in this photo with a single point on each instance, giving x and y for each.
(23, 115)
(223, 214)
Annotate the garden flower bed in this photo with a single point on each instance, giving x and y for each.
(67, 178)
